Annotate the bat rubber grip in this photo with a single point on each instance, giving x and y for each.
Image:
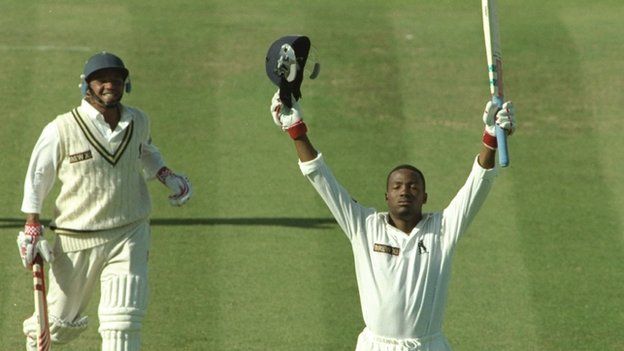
(501, 139)
(501, 136)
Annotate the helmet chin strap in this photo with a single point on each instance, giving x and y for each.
(91, 94)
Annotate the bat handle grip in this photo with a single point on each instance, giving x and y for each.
(38, 260)
(503, 154)
(501, 137)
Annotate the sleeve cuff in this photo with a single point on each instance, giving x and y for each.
(312, 165)
(30, 208)
(485, 173)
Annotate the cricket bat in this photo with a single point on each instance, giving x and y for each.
(41, 306)
(495, 70)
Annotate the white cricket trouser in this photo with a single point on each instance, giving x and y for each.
(120, 267)
(367, 341)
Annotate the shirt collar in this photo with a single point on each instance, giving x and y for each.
(95, 115)
(386, 218)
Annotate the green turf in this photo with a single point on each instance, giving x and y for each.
(255, 262)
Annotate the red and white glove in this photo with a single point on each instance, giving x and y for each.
(503, 117)
(31, 243)
(179, 185)
(289, 119)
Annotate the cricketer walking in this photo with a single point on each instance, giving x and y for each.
(102, 153)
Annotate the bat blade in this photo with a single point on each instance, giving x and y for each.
(41, 306)
(494, 57)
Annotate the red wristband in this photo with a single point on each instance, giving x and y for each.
(298, 130)
(490, 141)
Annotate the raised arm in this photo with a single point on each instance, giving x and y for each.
(305, 150)
(464, 206)
(348, 213)
(291, 121)
(487, 158)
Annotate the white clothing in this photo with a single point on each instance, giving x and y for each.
(108, 243)
(46, 155)
(367, 341)
(402, 279)
(120, 268)
(102, 182)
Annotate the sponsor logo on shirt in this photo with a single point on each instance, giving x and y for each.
(422, 249)
(387, 249)
(80, 157)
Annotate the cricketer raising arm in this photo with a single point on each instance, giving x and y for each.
(402, 256)
(102, 153)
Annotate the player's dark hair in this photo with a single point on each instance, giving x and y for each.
(411, 168)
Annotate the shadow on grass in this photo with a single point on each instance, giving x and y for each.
(293, 222)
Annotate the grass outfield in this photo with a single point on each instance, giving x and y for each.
(255, 261)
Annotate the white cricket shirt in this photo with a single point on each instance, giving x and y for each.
(402, 279)
(45, 158)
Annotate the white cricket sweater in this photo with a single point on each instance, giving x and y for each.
(102, 182)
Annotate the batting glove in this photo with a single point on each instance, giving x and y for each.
(504, 118)
(179, 185)
(289, 119)
(31, 243)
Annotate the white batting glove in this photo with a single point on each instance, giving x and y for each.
(289, 119)
(179, 185)
(503, 117)
(31, 242)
